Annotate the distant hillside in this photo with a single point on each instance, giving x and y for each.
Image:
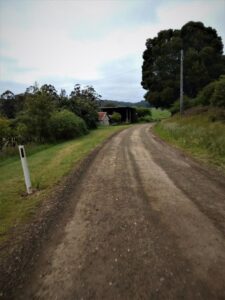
(109, 103)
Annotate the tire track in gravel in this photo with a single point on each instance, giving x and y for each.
(137, 231)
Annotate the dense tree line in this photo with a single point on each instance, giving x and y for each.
(204, 62)
(41, 114)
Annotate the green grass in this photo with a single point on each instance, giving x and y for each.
(197, 135)
(48, 164)
(159, 114)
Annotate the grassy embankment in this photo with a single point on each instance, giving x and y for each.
(198, 135)
(48, 164)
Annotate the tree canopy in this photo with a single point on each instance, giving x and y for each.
(203, 62)
(84, 103)
(41, 114)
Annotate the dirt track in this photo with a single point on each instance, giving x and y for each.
(146, 222)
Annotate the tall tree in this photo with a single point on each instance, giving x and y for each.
(63, 98)
(203, 62)
(8, 104)
(37, 111)
(85, 103)
(50, 90)
(33, 89)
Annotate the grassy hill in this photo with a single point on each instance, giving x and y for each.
(124, 103)
(200, 132)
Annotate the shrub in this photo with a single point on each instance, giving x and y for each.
(65, 125)
(159, 114)
(22, 134)
(24, 128)
(38, 110)
(144, 119)
(213, 93)
(85, 103)
(187, 103)
(5, 131)
(218, 97)
(143, 111)
(85, 109)
(116, 117)
(206, 93)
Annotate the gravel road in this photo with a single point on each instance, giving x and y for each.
(145, 222)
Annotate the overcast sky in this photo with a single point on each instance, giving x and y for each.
(99, 43)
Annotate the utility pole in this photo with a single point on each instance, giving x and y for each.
(181, 81)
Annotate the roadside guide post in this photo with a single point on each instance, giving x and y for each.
(26, 172)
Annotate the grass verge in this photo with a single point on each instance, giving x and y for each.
(48, 164)
(197, 135)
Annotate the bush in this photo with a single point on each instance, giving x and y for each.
(143, 111)
(116, 117)
(213, 94)
(22, 134)
(5, 131)
(218, 97)
(85, 109)
(206, 93)
(85, 103)
(187, 103)
(24, 128)
(38, 110)
(145, 119)
(159, 114)
(65, 125)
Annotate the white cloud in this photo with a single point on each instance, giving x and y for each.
(50, 37)
(47, 44)
(177, 13)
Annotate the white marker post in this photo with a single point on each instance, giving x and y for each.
(26, 172)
